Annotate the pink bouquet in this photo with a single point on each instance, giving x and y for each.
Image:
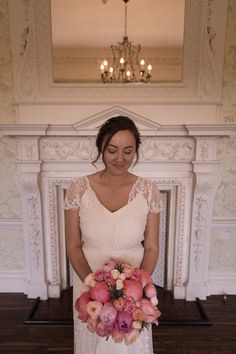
(118, 300)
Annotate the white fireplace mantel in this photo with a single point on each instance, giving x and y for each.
(181, 159)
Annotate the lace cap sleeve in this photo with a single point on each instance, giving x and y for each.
(74, 194)
(154, 197)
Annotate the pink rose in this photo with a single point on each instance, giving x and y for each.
(108, 265)
(129, 305)
(151, 313)
(92, 324)
(133, 289)
(150, 290)
(100, 292)
(108, 331)
(99, 275)
(145, 277)
(131, 337)
(80, 305)
(135, 275)
(100, 329)
(108, 314)
(124, 320)
(108, 278)
(94, 308)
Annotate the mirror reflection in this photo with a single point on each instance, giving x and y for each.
(88, 40)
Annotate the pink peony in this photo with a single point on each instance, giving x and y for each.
(131, 337)
(108, 314)
(124, 320)
(100, 292)
(150, 290)
(151, 313)
(94, 308)
(92, 324)
(133, 289)
(80, 306)
(145, 277)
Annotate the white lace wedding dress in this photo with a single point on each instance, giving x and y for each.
(108, 234)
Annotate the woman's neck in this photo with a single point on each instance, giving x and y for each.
(113, 180)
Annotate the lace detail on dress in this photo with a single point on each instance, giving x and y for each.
(75, 193)
(150, 191)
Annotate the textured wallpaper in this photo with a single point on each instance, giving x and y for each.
(229, 81)
(225, 201)
(7, 110)
(11, 241)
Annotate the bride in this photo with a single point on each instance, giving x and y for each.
(112, 213)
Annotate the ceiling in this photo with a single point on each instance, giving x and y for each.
(99, 23)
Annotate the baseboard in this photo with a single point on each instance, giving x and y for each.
(222, 284)
(12, 282)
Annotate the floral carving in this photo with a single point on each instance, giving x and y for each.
(64, 149)
(34, 230)
(167, 149)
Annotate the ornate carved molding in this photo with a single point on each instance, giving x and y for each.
(180, 236)
(35, 79)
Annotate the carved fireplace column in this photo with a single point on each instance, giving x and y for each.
(28, 172)
(205, 184)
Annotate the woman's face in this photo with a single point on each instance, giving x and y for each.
(119, 153)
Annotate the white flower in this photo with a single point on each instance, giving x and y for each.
(137, 324)
(89, 280)
(154, 300)
(119, 284)
(115, 274)
(122, 276)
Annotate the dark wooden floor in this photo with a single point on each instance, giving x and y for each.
(17, 338)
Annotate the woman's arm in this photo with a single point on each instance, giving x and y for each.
(73, 244)
(151, 243)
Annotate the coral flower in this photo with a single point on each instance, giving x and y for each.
(119, 303)
(151, 313)
(100, 292)
(138, 314)
(80, 306)
(133, 289)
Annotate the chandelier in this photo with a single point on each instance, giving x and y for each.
(126, 66)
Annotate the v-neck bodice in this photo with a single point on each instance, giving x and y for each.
(102, 205)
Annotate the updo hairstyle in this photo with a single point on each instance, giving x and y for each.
(110, 128)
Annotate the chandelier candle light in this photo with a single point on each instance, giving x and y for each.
(126, 62)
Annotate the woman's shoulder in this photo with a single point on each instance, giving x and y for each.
(147, 182)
